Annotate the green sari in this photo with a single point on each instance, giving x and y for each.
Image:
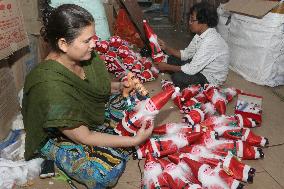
(54, 97)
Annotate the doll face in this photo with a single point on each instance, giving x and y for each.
(195, 150)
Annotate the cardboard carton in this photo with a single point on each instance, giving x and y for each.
(254, 8)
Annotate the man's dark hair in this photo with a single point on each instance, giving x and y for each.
(205, 14)
(65, 21)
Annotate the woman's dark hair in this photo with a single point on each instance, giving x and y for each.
(65, 21)
(205, 14)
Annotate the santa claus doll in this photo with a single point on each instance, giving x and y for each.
(176, 177)
(212, 178)
(223, 147)
(218, 99)
(161, 146)
(143, 112)
(157, 53)
(229, 163)
(226, 127)
(153, 177)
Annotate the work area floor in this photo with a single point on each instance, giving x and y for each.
(270, 170)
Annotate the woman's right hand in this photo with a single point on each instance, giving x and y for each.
(162, 44)
(144, 132)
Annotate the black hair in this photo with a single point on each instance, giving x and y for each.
(205, 14)
(65, 21)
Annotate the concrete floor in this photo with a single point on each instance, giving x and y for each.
(270, 170)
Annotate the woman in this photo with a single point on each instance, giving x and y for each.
(64, 103)
(206, 59)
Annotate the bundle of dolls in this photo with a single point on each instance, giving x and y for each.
(206, 148)
(120, 58)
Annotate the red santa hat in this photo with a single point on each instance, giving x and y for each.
(164, 163)
(123, 51)
(129, 62)
(189, 92)
(115, 41)
(147, 63)
(175, 158)
(177, 100)
(194, 116)
(102, 47)
(146, 75)
(159, 100)
(150, 158)
(195, 166)
(137, 68)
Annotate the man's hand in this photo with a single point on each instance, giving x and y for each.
(162, 66)
(162, 44)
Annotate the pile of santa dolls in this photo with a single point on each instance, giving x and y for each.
(121, 58)
(205, 149)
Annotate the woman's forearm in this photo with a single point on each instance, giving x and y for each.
(83, 135)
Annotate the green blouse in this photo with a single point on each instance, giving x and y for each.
(55, 97)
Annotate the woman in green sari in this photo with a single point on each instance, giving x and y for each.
(64, 104)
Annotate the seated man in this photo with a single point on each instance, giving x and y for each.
(208, 52)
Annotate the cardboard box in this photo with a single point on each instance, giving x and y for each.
(254, 8)
(31, 14)
(13, 35)
(9, 105)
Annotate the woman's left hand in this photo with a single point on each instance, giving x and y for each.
(116, 87)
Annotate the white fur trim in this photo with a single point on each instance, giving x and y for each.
(253, 123)
(221, 129)
(240, 149)
(241, 121)
(245, 173)
(197, 128)
(194, 186)
(257, 154)
(139, 153)
(155, 149)
(263, 141)
(235, 184)
(227, 160)
(189, 119)
(245, 136)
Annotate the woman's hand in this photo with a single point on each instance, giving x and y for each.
(162, 44)
(116, 87)
(144, 132)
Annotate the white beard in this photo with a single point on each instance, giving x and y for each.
(143, 112)
(152, 174)
(175, 127)
(210, 181)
